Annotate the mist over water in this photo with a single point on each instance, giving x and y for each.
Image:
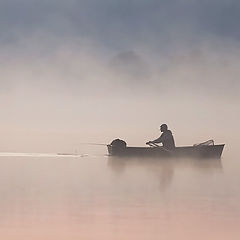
(81, 72)
(54, 102)
(99, 197)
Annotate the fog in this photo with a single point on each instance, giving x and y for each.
(93, 71)
(89, 71)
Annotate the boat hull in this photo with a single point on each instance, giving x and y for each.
(203, 151)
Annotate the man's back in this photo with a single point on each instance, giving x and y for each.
(167, 140)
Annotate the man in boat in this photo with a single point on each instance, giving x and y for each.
(166, 138)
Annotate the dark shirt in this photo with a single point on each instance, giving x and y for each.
(166, 139)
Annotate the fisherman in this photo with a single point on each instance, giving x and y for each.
(166, 138)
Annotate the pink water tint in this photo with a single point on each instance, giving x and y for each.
(103, 224)
(97, 198)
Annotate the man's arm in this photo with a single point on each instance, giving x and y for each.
(158, 140)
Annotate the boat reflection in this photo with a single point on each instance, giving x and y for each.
(163, 169)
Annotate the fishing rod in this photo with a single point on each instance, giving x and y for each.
(98, 144)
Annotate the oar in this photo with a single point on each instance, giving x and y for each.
(151, 144)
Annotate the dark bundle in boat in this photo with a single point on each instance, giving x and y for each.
(207, 149)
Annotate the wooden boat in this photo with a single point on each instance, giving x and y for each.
(198, 151)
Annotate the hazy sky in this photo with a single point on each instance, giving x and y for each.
(94, 70)
(119, 24)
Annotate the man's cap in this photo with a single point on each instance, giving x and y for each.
(164, 126)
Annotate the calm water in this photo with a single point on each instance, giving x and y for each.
(98, 197)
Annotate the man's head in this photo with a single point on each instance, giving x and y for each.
(163, 127)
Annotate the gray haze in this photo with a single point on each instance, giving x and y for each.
(80, 71)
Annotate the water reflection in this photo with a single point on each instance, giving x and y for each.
(163, 169)
(97, 198)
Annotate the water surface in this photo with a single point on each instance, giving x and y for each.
(94, 196)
